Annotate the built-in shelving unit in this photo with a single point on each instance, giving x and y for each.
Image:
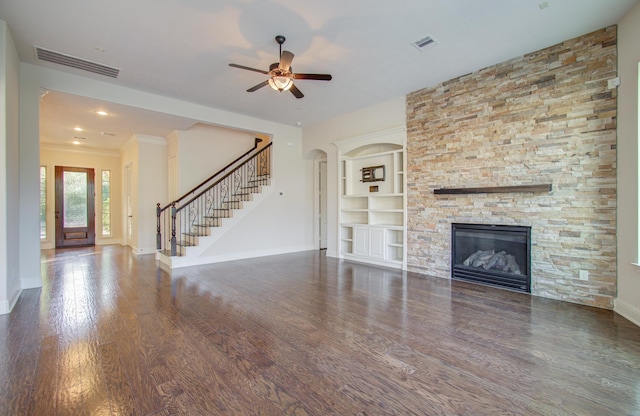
(372, 212)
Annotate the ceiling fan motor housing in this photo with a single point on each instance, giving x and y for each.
(275, 71)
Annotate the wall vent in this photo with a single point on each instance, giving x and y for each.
(74, 62)
(424, 43)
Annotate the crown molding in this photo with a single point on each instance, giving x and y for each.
(85, 150)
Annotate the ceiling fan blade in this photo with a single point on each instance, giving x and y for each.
(296, 92)
(318, 77)
(257, 87)
(249, 68)
(285, 60)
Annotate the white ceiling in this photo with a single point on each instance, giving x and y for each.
(61, 113)
(182, 48)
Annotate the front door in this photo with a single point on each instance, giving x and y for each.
(75, 199)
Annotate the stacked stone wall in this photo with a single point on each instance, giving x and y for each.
(546, 117)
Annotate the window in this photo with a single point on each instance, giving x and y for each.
(106, 202)
(43, 202)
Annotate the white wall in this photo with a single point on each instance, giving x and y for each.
(52, 156)
(293, 178)
(147, 156)
(10, 285)
(265, 231)
(203, 150)
(151, 189)
(627, 302)
(29, 226)
(321, 136)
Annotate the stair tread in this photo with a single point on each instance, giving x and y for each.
(185, 243)
(224, 210)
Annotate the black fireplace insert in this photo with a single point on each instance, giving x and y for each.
(496, 255)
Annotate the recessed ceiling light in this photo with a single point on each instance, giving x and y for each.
(102, 113)
(77, 128)
(75, 142)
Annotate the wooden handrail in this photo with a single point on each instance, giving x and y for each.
(251, 159)
(217, 182)
(195, 188)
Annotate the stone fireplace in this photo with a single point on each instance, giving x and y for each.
(546, 117)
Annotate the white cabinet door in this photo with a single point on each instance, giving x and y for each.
(361, 241)
(376, 243)
(369, 242)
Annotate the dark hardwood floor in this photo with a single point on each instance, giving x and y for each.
(302, 334)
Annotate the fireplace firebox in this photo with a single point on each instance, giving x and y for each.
(496, 255)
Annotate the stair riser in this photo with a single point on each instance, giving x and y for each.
(214, 221)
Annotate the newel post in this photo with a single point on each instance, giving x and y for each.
(173, 230)
(158, 235)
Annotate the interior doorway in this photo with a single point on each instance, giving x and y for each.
(75, 207)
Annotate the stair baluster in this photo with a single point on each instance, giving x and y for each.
(214, 199)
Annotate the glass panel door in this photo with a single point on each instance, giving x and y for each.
(75, 218)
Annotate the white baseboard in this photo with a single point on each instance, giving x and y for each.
(47, 245)
(332, 253)
(108, 241)
(4, 307)
(141, 251)
(630, 312)
(369, 260)
(7, 305)
(178, 262)
(32, 283)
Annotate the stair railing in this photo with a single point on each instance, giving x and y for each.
(212, 200)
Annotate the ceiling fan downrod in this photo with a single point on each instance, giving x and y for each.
(280, 39)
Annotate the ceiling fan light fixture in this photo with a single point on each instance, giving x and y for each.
(280, 83)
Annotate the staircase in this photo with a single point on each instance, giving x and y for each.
(193, 222)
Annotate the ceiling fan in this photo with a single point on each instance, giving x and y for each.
(281, 74)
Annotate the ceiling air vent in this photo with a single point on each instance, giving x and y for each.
(425, 43)
(74, 62)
